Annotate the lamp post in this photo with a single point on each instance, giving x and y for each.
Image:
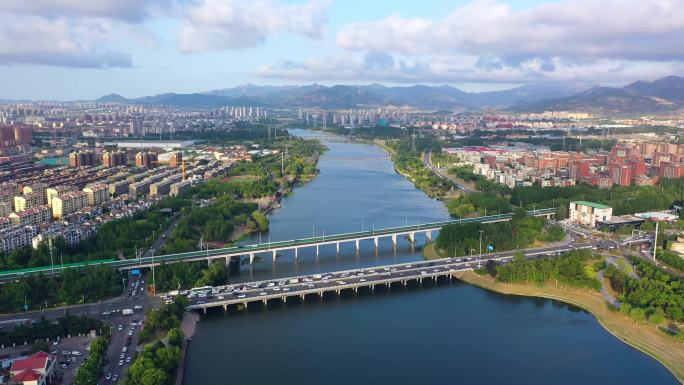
(479, 258)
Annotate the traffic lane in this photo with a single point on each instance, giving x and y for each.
(117, 343)
(410, 270)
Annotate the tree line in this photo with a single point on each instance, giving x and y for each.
(520, 232)
(654, 295)
(571, 269)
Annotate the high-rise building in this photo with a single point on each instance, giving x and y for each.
(146, 160)
(82, 158)
(54, 191)
(114, 158)
(176, 159)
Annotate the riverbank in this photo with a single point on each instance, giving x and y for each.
(644, 337)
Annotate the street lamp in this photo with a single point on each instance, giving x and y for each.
(479, 258)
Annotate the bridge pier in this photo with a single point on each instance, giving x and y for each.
(357, 245)
(375, 241)
(204, 309)
(338, 247)
(274, 255)
(296, 252)
(225, 308)
(428, 235)
(412, 237)
(227, 261)
(317, 250)
(394, 240)
(208, 262)
(251, 258)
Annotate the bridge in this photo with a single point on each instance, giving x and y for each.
(251, 251)
(318, 285)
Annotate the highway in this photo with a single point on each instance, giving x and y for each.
(427, 161)
(318, 284)
(251, 250)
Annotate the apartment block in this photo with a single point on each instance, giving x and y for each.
(68, 203)
(52, 192)
(97, 194)
(32, 216)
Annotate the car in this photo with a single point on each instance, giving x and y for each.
(120, 327)
(137, 307)
(242, 295)
(120, 362)
(108, 376)
(65, 352)
(54, 343)
(363, 280)
(106, 313)
(128, 359)
(76, 353)
(64, 366)
(115, 378)
(122, 356)
(54, 352)
(220, 297)
(130, 332)
(125, 348)
(263, 293)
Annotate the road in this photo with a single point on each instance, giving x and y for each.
(350, 279)
(427, 161)
(95, 309)
(275, 246)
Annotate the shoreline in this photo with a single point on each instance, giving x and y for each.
(641, 336)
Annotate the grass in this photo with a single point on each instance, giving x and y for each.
(640, 335)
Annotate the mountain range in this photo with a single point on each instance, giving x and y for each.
(658, 97)
(428, 98)
(661, 96)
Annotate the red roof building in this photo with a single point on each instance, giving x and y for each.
(37, 369)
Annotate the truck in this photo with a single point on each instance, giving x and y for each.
(173, 293)
(127, 312)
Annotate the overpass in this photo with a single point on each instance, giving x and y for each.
(251, 251)
(285, 289)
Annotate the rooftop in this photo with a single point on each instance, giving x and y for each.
(591, 204)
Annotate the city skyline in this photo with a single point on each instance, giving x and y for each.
(68, 50)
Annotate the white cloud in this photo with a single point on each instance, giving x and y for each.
(74, 33)
(27, 39)
(130, 10)
(234, 24)
(577, 29)
(464, 68)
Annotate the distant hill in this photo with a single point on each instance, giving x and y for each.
(430, 98)
(662, 96)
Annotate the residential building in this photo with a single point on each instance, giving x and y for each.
(588, 213)
(54, 191)
(16, 237)
(68, 203)
(37, 369)
(27, 201)
(97, 194)
(33, 216)
(180, 188)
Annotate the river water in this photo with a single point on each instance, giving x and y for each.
(435, 334)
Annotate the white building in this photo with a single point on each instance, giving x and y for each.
(588, 213)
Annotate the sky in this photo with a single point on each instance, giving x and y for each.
(76, 49)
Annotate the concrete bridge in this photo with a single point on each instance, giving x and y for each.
(334, 283)
(251, 251)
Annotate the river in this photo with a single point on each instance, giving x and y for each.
(446, 333)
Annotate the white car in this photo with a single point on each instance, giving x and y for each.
(120, 362)
(137, 307)
(220, 297)
(108, 376)
(76, 353)
(242, 295)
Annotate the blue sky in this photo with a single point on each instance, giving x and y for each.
(71, 49)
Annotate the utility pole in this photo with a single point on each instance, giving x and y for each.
(52, 262)
(154, 282)
(282, 164)
(655, 244)
(479, 258)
